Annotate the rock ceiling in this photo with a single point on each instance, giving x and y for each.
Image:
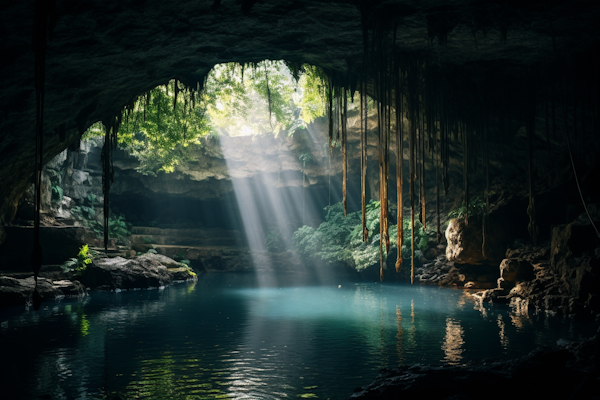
(102, 54)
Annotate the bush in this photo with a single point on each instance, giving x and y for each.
(476, 207)
(339, 238)
(79, 263)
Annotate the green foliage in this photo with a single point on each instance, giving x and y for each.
(118, 228)
(339, 238)
(259, 101)
(164, 126)
(476, 207)
(274, 241)
(160, 128)
(57, 193)
(80, 263)
(314, 88)
(147, 240)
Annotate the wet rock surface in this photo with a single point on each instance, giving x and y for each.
(16, 292)
(120, 273)
(570, 369)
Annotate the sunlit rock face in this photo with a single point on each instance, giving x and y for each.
(101, 55)
(465, 241)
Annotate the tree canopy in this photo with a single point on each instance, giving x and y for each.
(164, 126)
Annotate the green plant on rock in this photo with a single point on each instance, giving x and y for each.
(57, 193)
(476, 207)
(79, 263)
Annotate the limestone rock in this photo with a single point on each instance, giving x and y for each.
(564, 366)
(15, 291)
(121, 273)
(575, 259)
(471, 276)
(181, 274)
(465, 241)
(513, 271)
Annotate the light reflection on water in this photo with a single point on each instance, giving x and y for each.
(224, 337)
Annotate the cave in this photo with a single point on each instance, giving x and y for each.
(436, 223)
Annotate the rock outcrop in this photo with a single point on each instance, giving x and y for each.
(16, 292)
(575, 259)
(145, 271)
(465, 241)
(567, 371)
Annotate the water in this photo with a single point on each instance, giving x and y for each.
(223, 337)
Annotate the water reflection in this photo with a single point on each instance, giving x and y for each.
(224, 337)
(454, 342)
(502, 333)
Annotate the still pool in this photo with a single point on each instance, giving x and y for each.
(226, 337)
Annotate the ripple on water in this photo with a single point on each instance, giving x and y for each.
(226, 338)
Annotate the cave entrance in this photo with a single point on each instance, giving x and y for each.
(242, 162)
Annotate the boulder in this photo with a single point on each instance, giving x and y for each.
(14, 292)
(182, 274)
(471, 276)
(569, 367)
(575, 259)
(465, 241)
(122, 273)
(513, 271)
(161, 259)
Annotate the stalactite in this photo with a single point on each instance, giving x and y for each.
(484, 219)
(530, 127)
(399, 171)
(466, 172)
(175, 93)
(364, 113)
(44, 19)
(329, 151)
(412, 196)
(344, 150)
(330, 108)
(422, 177)
(269, 96)
(381, 186)
(106, 179)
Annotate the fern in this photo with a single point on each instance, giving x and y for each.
(339, 238)
(476, 207)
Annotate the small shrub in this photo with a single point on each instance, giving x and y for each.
(79, 263)
(339, 238)
(57, 193)
(476, 207)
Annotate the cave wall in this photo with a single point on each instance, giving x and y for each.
(101, 55)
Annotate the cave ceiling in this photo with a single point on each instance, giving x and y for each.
(102, 54)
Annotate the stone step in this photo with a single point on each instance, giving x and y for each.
(188, 232)
(200, 252)
(186, 241)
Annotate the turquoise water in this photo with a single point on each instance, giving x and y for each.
(224, 337)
